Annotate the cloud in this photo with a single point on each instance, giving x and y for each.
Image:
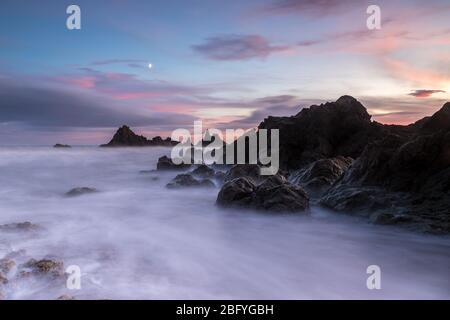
(124, 86)
(116, 61)
(237, 47)
(55, 108)
(132, 63)
(424, 93)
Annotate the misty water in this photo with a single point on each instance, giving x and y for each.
(135, 239)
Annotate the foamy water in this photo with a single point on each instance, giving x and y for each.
(135, 239)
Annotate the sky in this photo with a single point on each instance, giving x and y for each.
(227, 63)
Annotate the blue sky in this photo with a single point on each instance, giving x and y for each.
(228, 63)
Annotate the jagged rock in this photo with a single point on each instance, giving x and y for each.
(165, 163)
(251, 171)
(275, 194)
(398, 181)
(321, 174)
(187, 180)
(80, 191)
(237, 192)
(21, 226)
(125, 137)
(48, 267)
(341, 128)
(3, 279)
(59, 145)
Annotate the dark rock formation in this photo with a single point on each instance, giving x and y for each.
(187, 180)
(165, 163)
(341, 128)
(251, 171)
(59, 145)
(203, 171)
(321, 174)
(21, 226)
(398, 181)
(80, 191)
(44, 267)
(125, 137)
(275, 194)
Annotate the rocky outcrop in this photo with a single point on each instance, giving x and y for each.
(398, 181)
(250, 171)
(341, 128)
(125, 137)
(75, 192)
(187, 180)
(274, 194)
(165, 163)
(44, 267)
(321, 174)
(59, 145)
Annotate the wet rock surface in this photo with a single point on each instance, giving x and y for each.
(275, 194)
(187, 180)
(321, 174)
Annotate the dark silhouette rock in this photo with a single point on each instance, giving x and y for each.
(341, 128)
(398, 181)
(44, 267)
(251, 171)
(165, 163)
(187, 180)
(59, 145)
(125, 137)
(275, 194)
(80, 191)
(203, 171)
(237, 192)
(321, 174)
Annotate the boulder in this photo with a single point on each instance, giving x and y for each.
(237, 192)
(80, 191)
(321, 174)
(251, 171)
(166, 163)
(203, 171)
(44, 267)
(340, 128)
(187, 180)
(275, 194)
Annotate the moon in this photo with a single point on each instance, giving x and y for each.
(150, 66)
